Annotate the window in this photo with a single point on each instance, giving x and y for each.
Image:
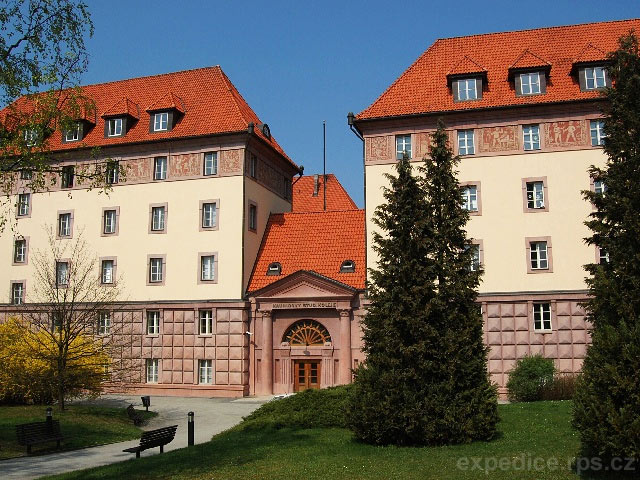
(603, 255)
(67, 176)
(595, 77)
(104, 323)
(207, 268)
(64, 225)
(20, 250)
(72, 135)
(253, 217)
(17, 293)
(535, 195)
(530, 83)
(538, 256)
(542, 316)
(205, 372)
(209, 216)
(160, 121)
(475, 258)
(158, 219)
(287, 188)
(114, 127)
(109, 222)
(206, 322)
(155, 270)
(470, 198)
(152, 370)
(112, 172)
(24, 201)
(403, 146)
(253, 165)
(211, 163)
(597, 133)
(160, 168)
(467, 89)
(465, 142)
(26, 174)
(31, 137)
(599, 187)
(274, 268)
(107, 271)
(62, 274)
(56, 321)
(348, 266)
(531, 134)
(153, 322)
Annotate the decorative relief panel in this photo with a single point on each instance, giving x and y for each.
(231, 161)
(139, 169)
(565, 134)
(379, 148)
(186, 165)
(498, 139)
(423, 144)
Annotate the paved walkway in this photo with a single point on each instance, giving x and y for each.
(212, 416)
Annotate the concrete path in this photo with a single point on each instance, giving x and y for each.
(212, 416)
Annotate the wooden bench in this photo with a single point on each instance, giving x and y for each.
(135, 416)
(154, 438)
(39, 432)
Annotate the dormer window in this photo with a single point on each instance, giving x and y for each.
(72, 135)
(160, 121)
(114, 127)
(274, 268)
(466, 89)
(594, 78)
(531, 83)
(348, 266)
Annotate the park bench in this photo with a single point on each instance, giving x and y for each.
(135, 416)
(154, 438)
(39, 432)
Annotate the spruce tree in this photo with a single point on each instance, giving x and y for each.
(607, 401)
(425, 378)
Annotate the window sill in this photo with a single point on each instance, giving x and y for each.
(152, 335)
(542, 331)
(539, 270)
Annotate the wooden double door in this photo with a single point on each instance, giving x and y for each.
(306, 374)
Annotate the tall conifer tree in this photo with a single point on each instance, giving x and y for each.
(425, 379)
(607, 401)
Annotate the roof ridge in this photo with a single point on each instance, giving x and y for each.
(319, 212)
(212, 67)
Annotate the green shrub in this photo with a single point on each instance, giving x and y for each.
(562, 387)
(531, 375)
(308, 409)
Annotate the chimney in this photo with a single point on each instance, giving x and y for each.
(316, 186)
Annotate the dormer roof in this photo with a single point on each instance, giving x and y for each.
(124, 106)
(169, 101)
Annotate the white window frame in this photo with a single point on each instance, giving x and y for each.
(599, 187)
(530, 83)
(160, 165)
(539, 255)
(67, 176)
(253, 216)
(470, 198)
(158, 219)
(207, 268)
(112, 173)
(17, 293)
(62, 273)
(205, 372)
(109, 220)
(603, 255)
(31, 137)
(596, 128)
(210, 164)
(475, 258)
(64, 225)
(531, 137)
(114, 128)
(24, 203)
(535, 195)
(542, 317)
(403, 145)
(466, 139)
(104, 323)
(597, 76)
(19, 250)
(153, 322)
(72, 135)
(152, 367)
(467, 89)
(106, 275)
(209, 215)
(206, 322)
(161, 122)
(156, 274)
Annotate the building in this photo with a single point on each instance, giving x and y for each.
(523, 111)
(182, 230)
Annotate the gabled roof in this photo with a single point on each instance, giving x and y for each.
(170, 101)
(528, 59)
(305, 201)
(590, 53)
(313, 241)
(124, 106)
(466, 66)
(211, 103)
(423, 88)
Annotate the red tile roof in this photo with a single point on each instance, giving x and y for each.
(305, 201)
(124, 106)
(314, 241)
(422, 88)
(210, 102)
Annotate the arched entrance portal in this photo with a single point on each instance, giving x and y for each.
(306, 333)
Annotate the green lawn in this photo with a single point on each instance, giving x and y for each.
(82, 426)
(257, 450)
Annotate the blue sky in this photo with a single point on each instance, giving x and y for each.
(298, 63)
